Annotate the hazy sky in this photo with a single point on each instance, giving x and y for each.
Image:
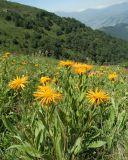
(69, 5)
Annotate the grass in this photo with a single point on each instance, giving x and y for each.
(72, 128)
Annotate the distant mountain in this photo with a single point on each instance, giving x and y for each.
(119, 30)
(97, 18)
(28, 30)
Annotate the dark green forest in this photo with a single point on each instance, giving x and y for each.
(27, 30)
(119, 30)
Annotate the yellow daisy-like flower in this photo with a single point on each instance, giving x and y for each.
(46, 95)
(43, 88)
(18, 83)
(66, 63)
(88, 67)
(44, 80)
(80, 68)
(113, 76)
(97, 96)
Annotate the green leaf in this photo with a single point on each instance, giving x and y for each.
(121, 119)
(77, 146)
(39, 139)
(30, 150)
(7, 124)
(33, 118)
(110, 138)
(58, 147)
(43, 120)
(14, 147)
(115, 106)
(63, 117)
(109, 124)
(96, 144)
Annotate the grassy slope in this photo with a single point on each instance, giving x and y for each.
(20, 112)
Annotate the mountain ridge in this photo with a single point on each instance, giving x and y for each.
(26, 29)
(97, 18)
(119, 30)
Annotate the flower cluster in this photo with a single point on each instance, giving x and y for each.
(46, 95)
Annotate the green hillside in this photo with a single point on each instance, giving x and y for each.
(119, 30)
(25, 29)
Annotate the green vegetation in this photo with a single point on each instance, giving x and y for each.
(27, 30)
(60, 110)
(73, 128)
(119, 30)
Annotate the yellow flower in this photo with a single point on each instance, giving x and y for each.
(113, 76)
(43, 88)
(36, 65)
(18, 83)
(46, 95)
(44, 80)
(80, 68)
(5, 56)
(97, 96)
(66, 63)
(88, 67)
(7, 53)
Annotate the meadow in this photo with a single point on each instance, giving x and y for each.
(62, 110)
